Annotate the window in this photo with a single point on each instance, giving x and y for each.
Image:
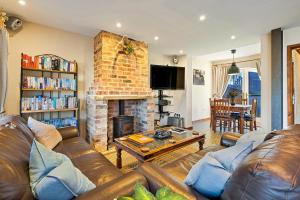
(255, 90)
(247, 82)
(235, 83)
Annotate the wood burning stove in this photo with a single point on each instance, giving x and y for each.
(122, 124)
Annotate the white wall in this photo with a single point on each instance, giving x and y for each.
(36, 39)
(193, 102)
(266, 82)
(201, 94)
(182, 99)
(290, 36)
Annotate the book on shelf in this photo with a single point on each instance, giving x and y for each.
(48, 62)
(46, 103)
(31, 82)
(61, 122)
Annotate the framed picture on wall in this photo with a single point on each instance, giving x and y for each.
(198, 77)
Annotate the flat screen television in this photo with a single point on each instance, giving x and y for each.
(167, 77)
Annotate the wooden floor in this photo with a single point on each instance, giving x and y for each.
(203, 126)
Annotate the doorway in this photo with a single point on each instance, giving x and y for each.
(293, 87)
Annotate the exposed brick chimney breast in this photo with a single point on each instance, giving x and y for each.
(118, 76)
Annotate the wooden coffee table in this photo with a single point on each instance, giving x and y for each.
(158, 147)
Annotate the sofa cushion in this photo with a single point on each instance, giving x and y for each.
(91, 163)
(257, 137)
(74, 147)
(208, 176)
(231, 157)
(53, 176)
(46, 134)
(271, 171)
(181, 167)
(42, 161)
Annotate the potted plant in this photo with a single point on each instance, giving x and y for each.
(232, 94)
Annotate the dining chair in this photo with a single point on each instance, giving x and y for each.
(221, 114)
(242, 101)
(251, 118)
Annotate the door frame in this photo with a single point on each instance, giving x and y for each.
(290, 84)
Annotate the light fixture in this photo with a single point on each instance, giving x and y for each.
(156, 38)
(181, 51)
(233, 37)
(118, 25)
(22, 2)
(202, 18)
(233, 69)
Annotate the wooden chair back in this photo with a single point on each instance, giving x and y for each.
(221, 108)
(241, 101)
(254, 108)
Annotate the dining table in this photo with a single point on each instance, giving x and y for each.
(241, 108)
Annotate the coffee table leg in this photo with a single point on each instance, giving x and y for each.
(119, 157)
(201, 143)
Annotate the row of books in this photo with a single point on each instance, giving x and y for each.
(47, 103)
(62, 122)
(48, 62)
(31, 82)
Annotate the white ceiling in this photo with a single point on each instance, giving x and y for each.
(176, 22)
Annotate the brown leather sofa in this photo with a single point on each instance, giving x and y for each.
(15, 144)
(269, 172)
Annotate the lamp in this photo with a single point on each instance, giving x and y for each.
(233, 69)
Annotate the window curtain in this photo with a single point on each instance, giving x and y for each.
(220, 80)
(258, 65)
(3, 66)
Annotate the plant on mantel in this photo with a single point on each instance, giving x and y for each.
(126, 47)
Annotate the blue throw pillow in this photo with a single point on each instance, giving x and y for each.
(208, 176)
(231, 157)
(53, 176)
(256, 137)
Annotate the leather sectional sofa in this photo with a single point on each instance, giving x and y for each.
(271, 171)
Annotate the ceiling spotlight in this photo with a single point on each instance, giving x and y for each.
(156, 38)
(181, 51)
(202, 18)
(118, 25)
(22, 2)
(233, 37)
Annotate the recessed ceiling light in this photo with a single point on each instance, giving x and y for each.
(22, 2)
(202, 18)
(156, 38)
(181, 51)
(233, 37)
(118, 25)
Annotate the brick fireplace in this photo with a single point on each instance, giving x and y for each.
(118, 76)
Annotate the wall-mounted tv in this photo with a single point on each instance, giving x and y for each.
(167, 77)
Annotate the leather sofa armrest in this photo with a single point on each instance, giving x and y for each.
(230, 139)
(158, 178)
(68, 132)
(122, 186)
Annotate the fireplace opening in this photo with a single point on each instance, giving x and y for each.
(122, 124)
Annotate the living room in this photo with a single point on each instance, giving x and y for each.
(145, 100)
